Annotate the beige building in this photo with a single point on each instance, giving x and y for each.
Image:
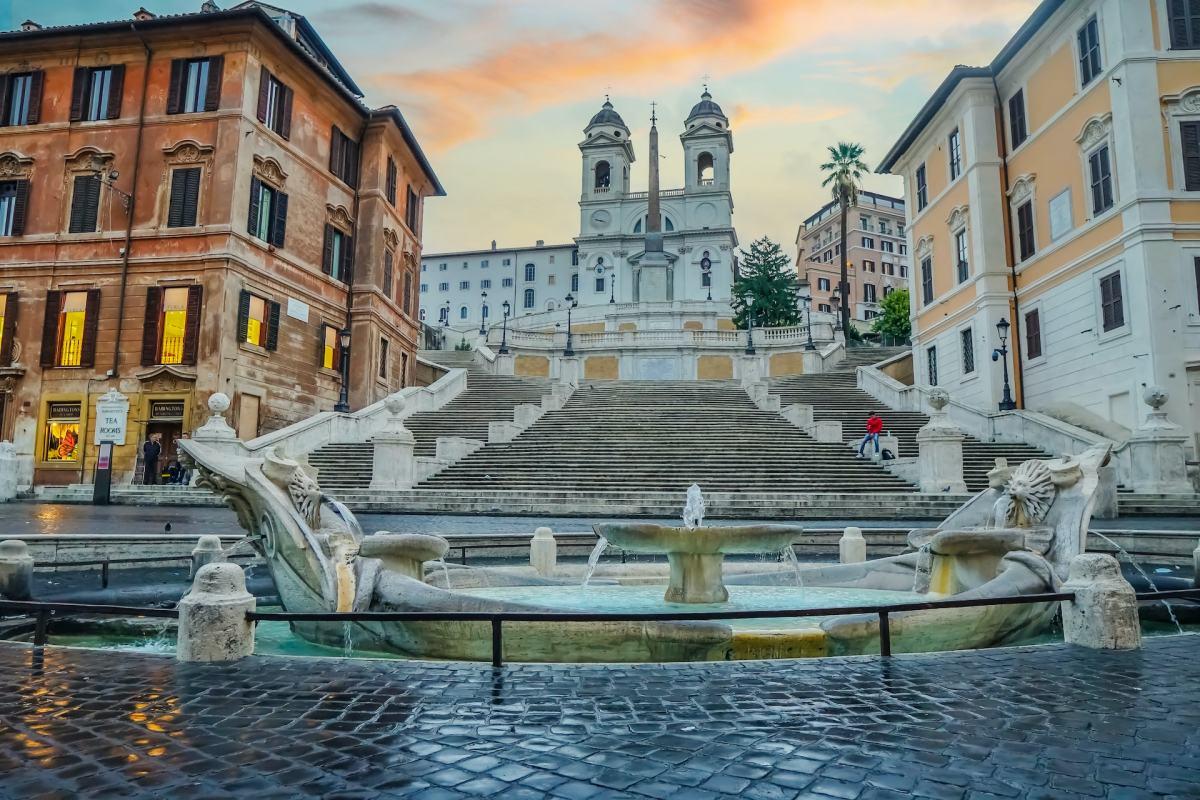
(878, 254)
(1058, 188)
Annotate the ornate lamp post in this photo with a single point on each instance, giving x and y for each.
(612, 286)
(504, 329)
(571, 303)
(750, 334)
(808, 316)
(343, 403)
(483, 313)
(706, 266)
(446, 316)
(1001, 354)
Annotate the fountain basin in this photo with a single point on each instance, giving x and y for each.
(405, 553)
(696, 554)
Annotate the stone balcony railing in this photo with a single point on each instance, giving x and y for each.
(659, 339)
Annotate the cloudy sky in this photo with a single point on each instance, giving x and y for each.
(499, 90)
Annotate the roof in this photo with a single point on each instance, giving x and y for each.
(393, 113)
(312, 37)
(960, 73)
(607, 116)
(706, 107)
(895, 201)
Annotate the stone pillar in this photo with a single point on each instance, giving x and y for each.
(813, 363)
(1104, 613)
(751, 370)
(852, 548)
(212, 616)
(217, 433)
(1157, 451)
(207, 551)
(505, 364)
(569, 370)
(543, 552)
(10, 467)
(16, 570)
(392, 466)
(939, 449)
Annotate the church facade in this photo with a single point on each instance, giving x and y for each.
(621, 254)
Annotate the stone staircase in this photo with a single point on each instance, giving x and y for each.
(630, 437)
(835, 396)
(487, 398)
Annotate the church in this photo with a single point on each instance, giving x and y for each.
(660, 245)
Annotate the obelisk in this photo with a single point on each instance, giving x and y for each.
(654, 277)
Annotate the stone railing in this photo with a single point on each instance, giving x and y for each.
(662, 193)
(793, 336)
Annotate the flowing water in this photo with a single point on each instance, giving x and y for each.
(924, 565)
(240, 543)
(594, 559)
(347, 639)
(789, 556)
(445, 570)
(1145, 575)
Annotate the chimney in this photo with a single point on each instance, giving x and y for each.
(540, 243)
(30, 25)
(493, 244)
(141, 15)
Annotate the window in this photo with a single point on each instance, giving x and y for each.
(864, 222)
(444, 315)
(21, 98)
(406, 303)
(552, 258)
(574, 258)
(574, 281)
(926, 281)
(931, 365)
(274, 104)
(868, 293)
(8, 327)
(1089, 51)
(483, 264)
(903, 270)
(443, 287)
(1100, 175)
(955, 154)
(530, 273)
(1025, 230)
(466, 264)
(1112, 304)
(1189, 137)
(195, 85)
(389, 182)
(1017, 129)
(868, 242)
(338, 260)
(62, 431)
(960, 252)
(550, 280)
(172, 325)
(868, 266)
(185, 197)
(506, 283)
(442, 267)
(463, 312)
(887, 247)
(412, 209)
(1033, 334)
(329, 347)
(903, 248)
(69, 332)
(507, 262)
(602, 176)
(424, 288)
(258, 321)
(96, 93)
(922, 189)
(825, 308)
(389, 267)
(888, 290)
(85, 204)
(887, 269)
(14, 199)
(823, 284)
(485, 284)
(704, 169)
(268, 213)
(343, 157)
(484, 311)
(1185, 24)
(464, 285)
(529, 298)
(383, 358)
(967, 338)
(600, 284)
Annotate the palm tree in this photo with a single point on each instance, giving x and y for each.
(845, 169)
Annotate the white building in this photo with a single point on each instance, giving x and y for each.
(603, 263)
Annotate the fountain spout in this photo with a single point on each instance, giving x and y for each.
(693, 509)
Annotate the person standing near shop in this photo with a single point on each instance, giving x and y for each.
(150, 453)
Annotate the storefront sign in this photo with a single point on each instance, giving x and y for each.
(166, 409)
(112, 418)
(63, 410)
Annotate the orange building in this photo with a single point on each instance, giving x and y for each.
(189, 205)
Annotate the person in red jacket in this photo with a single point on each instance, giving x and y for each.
(874, 428)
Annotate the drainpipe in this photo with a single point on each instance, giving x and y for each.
(362, 141)
(137, 161)
(1018, 362)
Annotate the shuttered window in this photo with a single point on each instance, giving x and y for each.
(1025, 240)
(1100, 176)
(926, 281)
(329, 347)
(185, 197)
(1033, 334)
(960, 253)
(267, 219)
(85, 204)
(21, 98)
(1112, 302)
(922, 189)
(1017, 127)
(955, 146)
(274, 104)
(338, 259)
(343, 157)
(931, 365)
(967, 339)
(384, 345)
(171, 329)
(390, 181)
(8, 327)
(1088, 39)
(412, 210)
(69, 329)
(1189, 136)
(389, 261)
(407, 303)
(14, 200)
(195, 85)
(258, 321)
(96, 93)
(1185, 24)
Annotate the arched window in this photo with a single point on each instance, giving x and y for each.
(422, 317)
(668, 224)
(704, 169)
(529, 298)
(530, 272)
(551, 305)
(485, 311)
(602, 175)
(574, 281)
(443, 314)
(462, 312)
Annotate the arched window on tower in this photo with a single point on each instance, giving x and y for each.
(602, 175)
(667, 223)
(704, 169)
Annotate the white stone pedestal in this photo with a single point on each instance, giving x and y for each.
(1158, 452)
(1103, 614)
(852, 547)
(392, 464)
(10, 468)
(16, 570)
(543, 552)
(751, 370)
(939, 450)
(504, 364)
(212, 616)
(569, 370)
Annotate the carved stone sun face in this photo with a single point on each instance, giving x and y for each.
(1027, 496)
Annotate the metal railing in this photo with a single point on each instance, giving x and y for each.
(105, 563)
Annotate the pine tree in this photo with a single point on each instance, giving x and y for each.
(765, 287)
(893, 323)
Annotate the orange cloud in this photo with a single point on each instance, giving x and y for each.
(744, 116)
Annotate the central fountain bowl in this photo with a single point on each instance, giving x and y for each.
(696, 554)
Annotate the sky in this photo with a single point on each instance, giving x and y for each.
(499, 91)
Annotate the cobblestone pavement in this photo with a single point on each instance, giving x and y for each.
(1049, 722)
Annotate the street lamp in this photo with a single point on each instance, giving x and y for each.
(808, 314)
(569, 351)
(446, 316)
(612, 286)
(750, 334)
(482, 313)
(343, 403)
(1001, 354)
(504, 329)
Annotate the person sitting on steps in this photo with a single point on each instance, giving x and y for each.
(874, 428)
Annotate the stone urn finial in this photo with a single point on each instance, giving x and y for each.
(394, 403)
(939, 399)
(1155, 396)
(216, 427)
(1156, 422)
(218, 403)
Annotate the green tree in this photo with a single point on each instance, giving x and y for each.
(893, 323)
(765, 287)
(844, 170)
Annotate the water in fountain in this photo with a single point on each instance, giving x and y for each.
(789, 555)
(924, 566)
(242, 542)
(594, 559)
(693, 509)
(1143, 573)
(445, 570)
(347, 640)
